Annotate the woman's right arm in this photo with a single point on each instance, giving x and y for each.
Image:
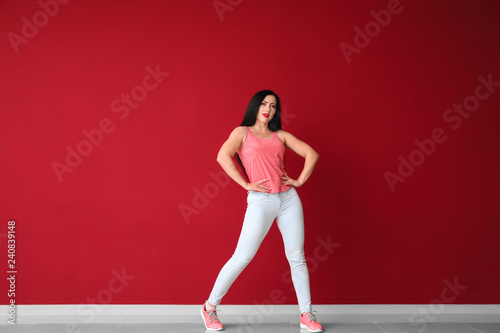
(226, 153)
(225, 159)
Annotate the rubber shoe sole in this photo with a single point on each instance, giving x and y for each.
(305, 327)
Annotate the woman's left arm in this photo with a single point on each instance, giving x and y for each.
(304, 150)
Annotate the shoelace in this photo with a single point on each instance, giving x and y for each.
(311, 317)
(213, 316)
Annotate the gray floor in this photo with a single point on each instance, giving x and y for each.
(276, 324)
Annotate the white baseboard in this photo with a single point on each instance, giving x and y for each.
(110, 313)
(131, 309)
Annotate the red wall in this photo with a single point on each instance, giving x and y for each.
(132, 204)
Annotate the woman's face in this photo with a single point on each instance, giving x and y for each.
(267, 109)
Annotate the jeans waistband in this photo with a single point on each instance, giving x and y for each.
(268, 194)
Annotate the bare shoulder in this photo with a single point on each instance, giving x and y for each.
(283, 135)
(239, 134)
(295, 144)
(234, 142)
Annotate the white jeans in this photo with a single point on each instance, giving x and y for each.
(261, 211)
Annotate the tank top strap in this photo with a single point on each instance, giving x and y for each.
(249, 133)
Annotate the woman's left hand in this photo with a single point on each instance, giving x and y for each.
(289, 181)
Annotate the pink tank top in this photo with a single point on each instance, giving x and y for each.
(264, 159)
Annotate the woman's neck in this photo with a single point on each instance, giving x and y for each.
(262, 128)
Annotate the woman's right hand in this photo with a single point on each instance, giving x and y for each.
(257, 186)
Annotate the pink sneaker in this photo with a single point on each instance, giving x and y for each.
(307, 320)
(211, 320)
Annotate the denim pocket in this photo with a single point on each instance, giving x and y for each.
(254, 196)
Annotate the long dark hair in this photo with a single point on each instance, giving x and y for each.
(250, 116)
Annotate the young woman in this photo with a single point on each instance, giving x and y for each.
(260, 143)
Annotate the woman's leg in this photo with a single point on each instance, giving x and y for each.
(290, 221)
(260, 214)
